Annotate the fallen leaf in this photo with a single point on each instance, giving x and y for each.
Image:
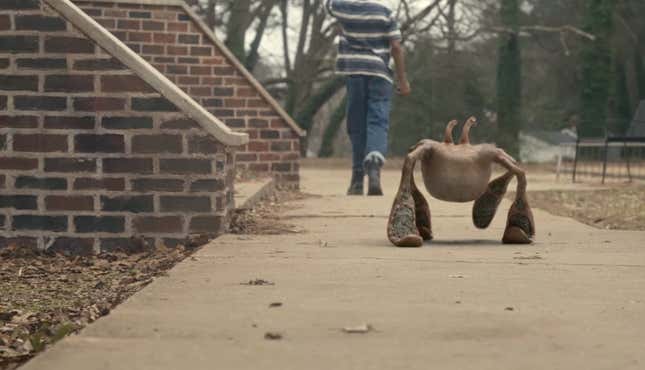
(272, 335)
(258, 282)
(360, 329)
(528, 258)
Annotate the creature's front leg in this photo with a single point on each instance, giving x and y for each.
(520, 226)
(409, 222)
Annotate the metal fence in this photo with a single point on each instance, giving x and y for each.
(612, 159)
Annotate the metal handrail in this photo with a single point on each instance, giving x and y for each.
(625, 142)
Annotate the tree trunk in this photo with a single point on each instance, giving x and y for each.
(596, 68)
(509, 79)
(236, 27)
(254, 55)
(640, 74)
(622, 105)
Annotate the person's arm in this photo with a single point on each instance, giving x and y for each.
(399, 60)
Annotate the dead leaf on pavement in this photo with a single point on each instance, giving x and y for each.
(360, 329)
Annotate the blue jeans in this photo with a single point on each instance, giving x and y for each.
(368, 117)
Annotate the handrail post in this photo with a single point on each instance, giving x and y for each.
(604, 164)
(575, 160)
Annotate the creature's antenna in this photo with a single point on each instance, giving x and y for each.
(465, 133)
(448, 135)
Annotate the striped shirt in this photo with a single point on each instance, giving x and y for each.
(367, 27)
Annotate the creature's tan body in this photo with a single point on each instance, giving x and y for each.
(458, 173)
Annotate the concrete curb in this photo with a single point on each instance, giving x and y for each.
(248, 194)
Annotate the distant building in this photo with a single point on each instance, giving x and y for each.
(542, 146)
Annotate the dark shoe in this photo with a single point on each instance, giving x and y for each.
(356, 186)
(373, 170)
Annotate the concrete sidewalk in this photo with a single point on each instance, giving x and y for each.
(573, 300)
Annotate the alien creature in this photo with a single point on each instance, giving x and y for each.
(458, 173)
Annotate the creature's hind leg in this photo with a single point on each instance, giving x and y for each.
(520, 226)
(409, 221)
(486, 205)
(422, 213)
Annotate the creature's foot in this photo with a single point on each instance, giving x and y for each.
(520, 227)
(485, 207)
(401, 227)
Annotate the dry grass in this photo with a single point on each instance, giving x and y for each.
(265, 219)
(617, 208)
(45, 298)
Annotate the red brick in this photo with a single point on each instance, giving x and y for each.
(127, 165)
(177, 203)
(177, 69)
(212, 224)
(200, 91)
(180, 123)
(18, 83)
(162, 225)
(13, 163)
(69, 123)
(18, 121)
(209, 80)
(204, 144)
(69, 83)
(227, 71)
(246, 157)
(69, 203)
(88, 183)
(107, 23)
(116, 13)
(157, 144)
(259, 167)
(69, 45)
(258, 146)
(105, 143)
(265, 157)
(256, 103)
(72, 247)
(164, 38)
(129, 24)
(152, 49)
(185, 166)
(177, 27)
(234, 103)
(69, 165)
(177, 50)
(213, 61)
(124, 83)
(153, 26)
(188, 80)
(39, 143)
(201, 50)
(99, 104)
(140, 36)
(5, 22)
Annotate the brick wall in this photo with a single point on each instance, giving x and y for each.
(172, 41)
(91, 155)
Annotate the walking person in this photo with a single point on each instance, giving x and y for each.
(370, 37)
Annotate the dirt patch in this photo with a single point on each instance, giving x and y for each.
(265, 218)
(618, 208)
(45, 298)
